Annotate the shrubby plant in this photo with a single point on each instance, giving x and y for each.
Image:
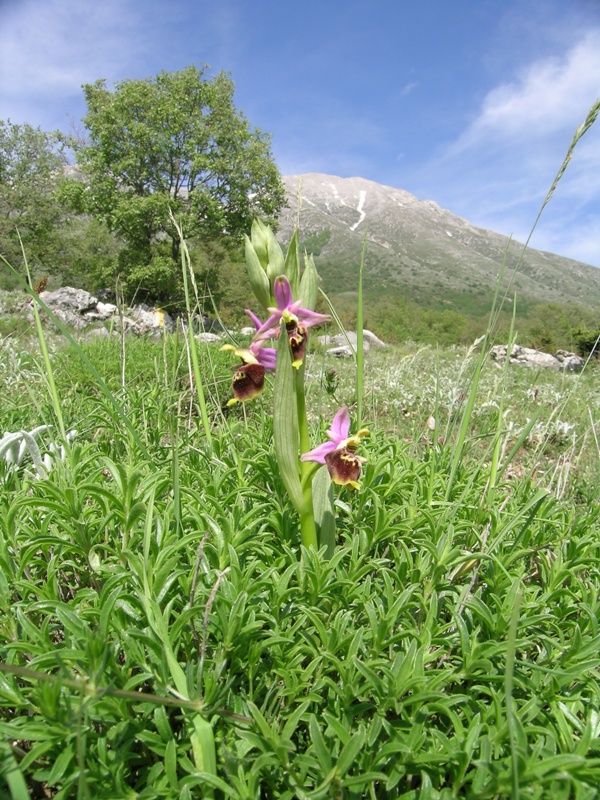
(14, 447)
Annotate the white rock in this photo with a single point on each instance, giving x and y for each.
(529, 357)
(341, 352)
(350, 337)
(373, 340)
(207, 337)
(106, 309)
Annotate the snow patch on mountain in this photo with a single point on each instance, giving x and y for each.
(361, 201)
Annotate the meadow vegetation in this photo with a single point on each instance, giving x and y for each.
(170, 627)
(152, 581)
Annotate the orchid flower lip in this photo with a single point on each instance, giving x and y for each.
(339, 453)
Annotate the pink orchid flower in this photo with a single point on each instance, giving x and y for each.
(249, 379)
(339, 454)
(297, 319)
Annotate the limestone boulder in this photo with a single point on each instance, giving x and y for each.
(148, 321)
(529, 357)
(70, 305)
(343, 345)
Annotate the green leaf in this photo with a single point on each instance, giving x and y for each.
(61, 765)
(12, 774)
(292, 266)
(350, 752)
(320, 748)
(293, 720)
(256, 275)
(322, 488)
(285, 423)
(203, 745)
(275, 266)
(260, 242)
(171, 764)
(309, 285)
(218, 783)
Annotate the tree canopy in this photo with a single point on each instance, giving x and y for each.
(31, 164)
(174, 143)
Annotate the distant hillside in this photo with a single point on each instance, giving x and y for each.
(418, 249)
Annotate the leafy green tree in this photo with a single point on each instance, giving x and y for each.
(31, 165)
(90, 255)
(315, 242)
(587, 340)
(175, 143)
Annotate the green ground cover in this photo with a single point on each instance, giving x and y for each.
(154, 597)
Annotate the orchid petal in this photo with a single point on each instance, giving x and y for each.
(267, 356)
(268, 329)
(255, 320)
(318, 453)
(310, 318)
(340, 426)
(282, 292)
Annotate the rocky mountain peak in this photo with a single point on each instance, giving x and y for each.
(416, 246)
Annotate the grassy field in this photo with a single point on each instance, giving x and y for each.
(164, 635)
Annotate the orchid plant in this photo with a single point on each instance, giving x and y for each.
(289, 298)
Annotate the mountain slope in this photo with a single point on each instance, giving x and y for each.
(416, 248)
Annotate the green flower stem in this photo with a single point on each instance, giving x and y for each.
(307, 514)
(301, 405)
(308, 527)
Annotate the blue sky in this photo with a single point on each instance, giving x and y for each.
(472, 104)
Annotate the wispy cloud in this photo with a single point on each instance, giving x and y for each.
(408, 87)
(540, 101)
(342, 143)
(497, 171)
(48, 49)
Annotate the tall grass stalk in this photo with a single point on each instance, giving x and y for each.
(459, 444)
(465, 421)
(186, 268)
(49, 374)
(358, 351)
(336, 319)
(511, 719)
(591, 117)
(495, 461)
(360, 356)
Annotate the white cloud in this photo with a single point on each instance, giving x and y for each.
(408, 87)
(48, 48)
(542, 99)
(498, 171)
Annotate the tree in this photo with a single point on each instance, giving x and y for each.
(175, 143)
(31, 164)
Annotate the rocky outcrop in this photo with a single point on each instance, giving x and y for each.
(562, 360)
(80, 309)
(569, 362)
(147, 321)
(343, 345)
(76, 307)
